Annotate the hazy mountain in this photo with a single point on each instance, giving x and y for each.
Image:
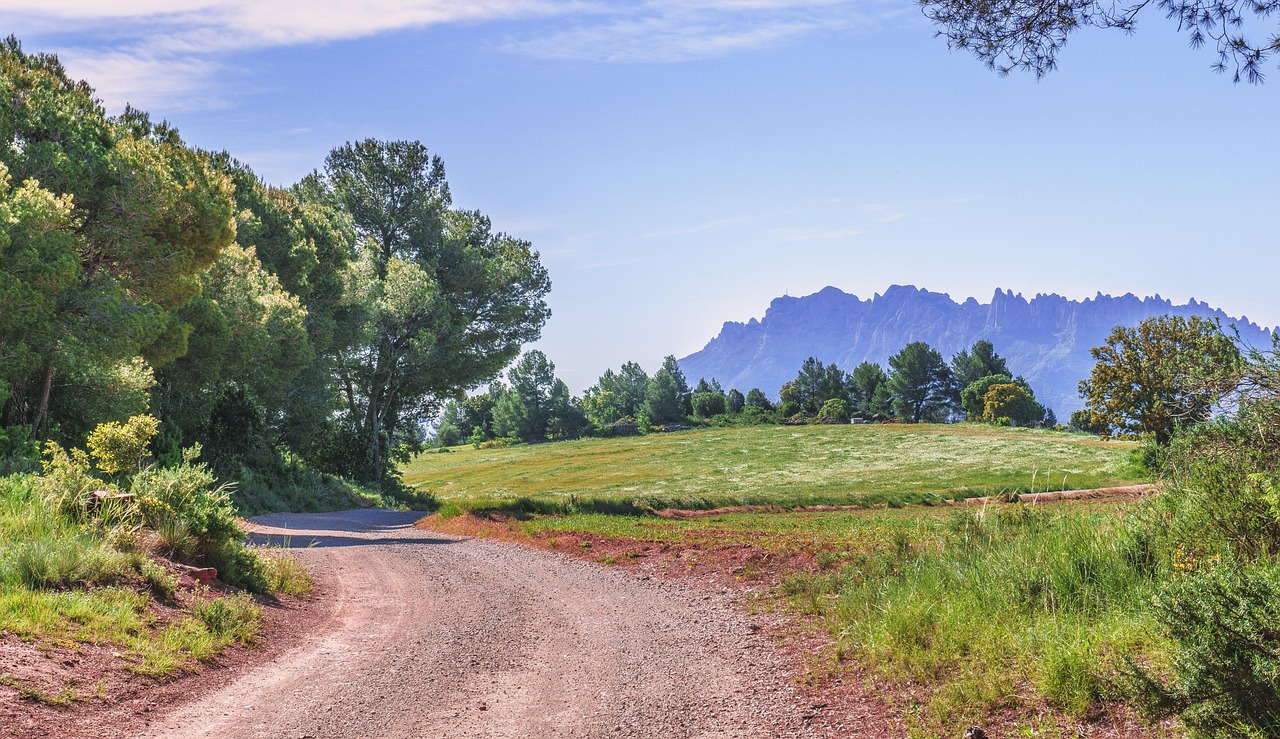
(1045, 339)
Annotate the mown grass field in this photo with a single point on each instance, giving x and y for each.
(773, 465)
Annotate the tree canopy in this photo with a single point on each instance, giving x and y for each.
(1027, 35)
(444, 302)
(920, 382)
(1163, 374)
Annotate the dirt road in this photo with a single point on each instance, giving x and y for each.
(422, 635)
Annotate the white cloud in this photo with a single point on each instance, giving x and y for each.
(169, 53)
(667, 32)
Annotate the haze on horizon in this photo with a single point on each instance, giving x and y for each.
(680, 165)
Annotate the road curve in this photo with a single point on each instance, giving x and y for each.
(425, 635)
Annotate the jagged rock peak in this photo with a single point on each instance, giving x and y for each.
(1046, 339)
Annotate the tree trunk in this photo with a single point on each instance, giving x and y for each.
(42, 412)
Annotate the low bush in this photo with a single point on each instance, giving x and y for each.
(1225, 622)
(234, 617)
(186, 505)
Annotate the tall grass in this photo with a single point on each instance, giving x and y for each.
(1008, 607)
(68, 575)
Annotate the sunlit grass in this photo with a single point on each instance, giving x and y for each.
(61, 586)
(773, 465)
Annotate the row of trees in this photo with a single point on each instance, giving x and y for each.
(324, 322)
(919, 386)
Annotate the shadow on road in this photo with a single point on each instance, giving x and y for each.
(375, 527)
(305, 540)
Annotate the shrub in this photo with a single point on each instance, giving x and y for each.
(117, 448)
(238, 564)
(834, 409)
(233, 617)
(67, 481)
(18, 451)
(185, 503)
(1225, 621)
(1219, 484)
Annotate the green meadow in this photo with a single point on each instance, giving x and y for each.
(785, 466)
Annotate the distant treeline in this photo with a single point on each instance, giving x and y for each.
(920, 386)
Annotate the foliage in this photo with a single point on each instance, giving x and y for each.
(664, 398)
(834, 410)
(1164, 374)
(187, 498)
(814, 385)
(118, 448)
(1082, 420)
(1028, 34)
(708, 404)
(971, 365)
(616, 395)
(973, 396)
(1225, 621)
(18, 451)
(92, 278)
(537, 406)
(757, 399)
(735, 401)
(920, 382)
(869, 390)
(1013, 402)
(444, 303)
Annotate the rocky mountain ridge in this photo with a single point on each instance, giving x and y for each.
(1045, 339)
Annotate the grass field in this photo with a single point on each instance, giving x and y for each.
(772, 465)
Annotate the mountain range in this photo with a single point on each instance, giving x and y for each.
(1045, 339)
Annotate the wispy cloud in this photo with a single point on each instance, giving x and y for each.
(172, 52)
(792, 234)
(712, 225)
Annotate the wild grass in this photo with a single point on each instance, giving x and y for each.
(283, 572)
(770, 465)
(1004, 604)
(63, 582)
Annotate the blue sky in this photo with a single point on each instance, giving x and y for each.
(679, 164)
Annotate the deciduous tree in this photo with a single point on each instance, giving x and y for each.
(1165, 373)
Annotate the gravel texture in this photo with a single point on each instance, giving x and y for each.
(418, 634)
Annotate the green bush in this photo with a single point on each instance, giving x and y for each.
(67, 481)
(18, 451)
(1225, 622)
(118, 448)
(238, 564)
(186, 505)
(1220, 481)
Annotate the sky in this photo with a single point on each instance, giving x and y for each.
(680, 163)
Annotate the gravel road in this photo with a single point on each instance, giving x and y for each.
(424, 635)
